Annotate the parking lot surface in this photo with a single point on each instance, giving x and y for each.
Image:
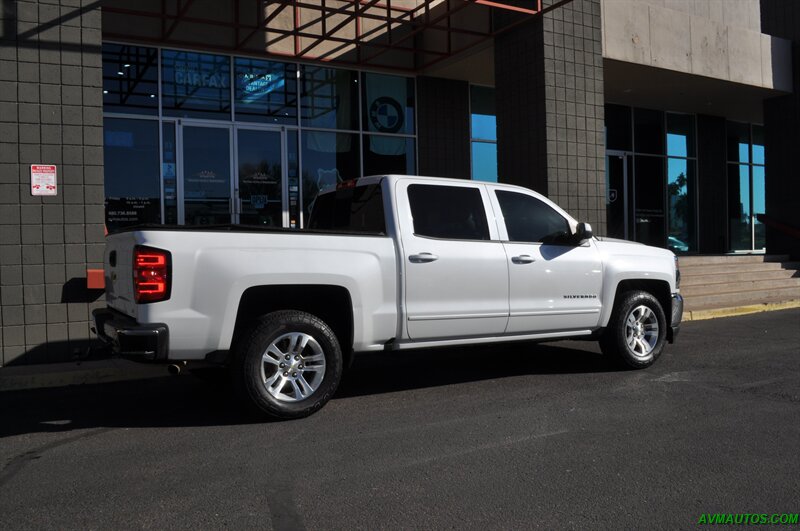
(514, 436)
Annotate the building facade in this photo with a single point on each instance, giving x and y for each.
(670, 122)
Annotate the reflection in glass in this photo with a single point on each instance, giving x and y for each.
(648, 131)
(265, 91)
(328, 98)
(388, 104)
(738, 142)
(618, 127)
(484, 115)
(758, 144)
(648, 188)
(615, 196)
(169, 174)
(130, 79)
(130, 153)
(206, 175)
(484, 161)
(681, 198)
(388, 154)
(739, 206)
(759, 205)
(680, 135)
(260, 178)
(293, 175)
(328, 159)
(195, 85)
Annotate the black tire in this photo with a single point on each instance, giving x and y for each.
(615, 340)
(250, 369)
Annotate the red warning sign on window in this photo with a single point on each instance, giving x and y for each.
(43, 179)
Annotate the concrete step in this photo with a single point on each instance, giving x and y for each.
(735, 287)
(698, 279)
(691, 261)
(741, 298)
(719, 268)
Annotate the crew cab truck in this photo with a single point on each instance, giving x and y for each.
(388, 263)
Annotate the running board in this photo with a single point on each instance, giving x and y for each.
(406, 345)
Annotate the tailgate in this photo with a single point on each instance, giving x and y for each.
(118, 265)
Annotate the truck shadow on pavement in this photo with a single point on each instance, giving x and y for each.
(186, 400)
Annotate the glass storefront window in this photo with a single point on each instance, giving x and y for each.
(618, 127)
(195, 85)
(759, 206)
(169, 173)
(265, 91)
(680, 135)
(130, 79)
(328, 98)
(681, 204)
(388, 104)
(648, 131)
(206, 175)
(738, 142)
(758, 144)
(328, 159)
(131, 155)
(484, 161)
(745, 186)
(388, 154)
(483, 113)
(483, 127)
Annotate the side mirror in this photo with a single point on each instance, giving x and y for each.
(583, 232)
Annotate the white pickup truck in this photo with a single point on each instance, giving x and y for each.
(387, 263)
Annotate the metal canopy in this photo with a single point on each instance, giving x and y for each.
(405, 35)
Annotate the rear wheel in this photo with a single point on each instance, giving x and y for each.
(288, 364)
(637, 331)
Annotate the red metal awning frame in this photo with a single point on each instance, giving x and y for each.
(397, 28)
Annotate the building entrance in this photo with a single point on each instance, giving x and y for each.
(635, 197)
(237, 174)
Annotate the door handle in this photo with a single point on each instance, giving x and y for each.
(422, 258)
(523, 259)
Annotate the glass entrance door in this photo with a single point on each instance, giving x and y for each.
(206, 174)
(618, 168)
(649, 187)
(261, 178)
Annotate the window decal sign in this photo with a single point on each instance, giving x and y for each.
(43, 179)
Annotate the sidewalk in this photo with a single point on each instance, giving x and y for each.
(16, 378)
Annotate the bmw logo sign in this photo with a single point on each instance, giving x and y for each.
(386, 115)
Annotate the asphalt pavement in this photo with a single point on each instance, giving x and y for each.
(515, 436)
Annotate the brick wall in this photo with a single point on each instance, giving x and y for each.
(50, 113)
(443, 130)
(550, 115)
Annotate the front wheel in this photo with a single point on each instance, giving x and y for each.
(637, 331)
(288, 364)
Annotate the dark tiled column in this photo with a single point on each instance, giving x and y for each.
(781, 18)
(712, 184)
(443, 128)
(549, 92)
(50, 113)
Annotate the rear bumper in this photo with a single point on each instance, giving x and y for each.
(676, 317)
(129, 339)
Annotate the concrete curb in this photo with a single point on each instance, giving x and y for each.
(699, 315)
(76, 373)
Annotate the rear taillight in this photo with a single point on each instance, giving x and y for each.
(151, 270)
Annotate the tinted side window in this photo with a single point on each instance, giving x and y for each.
(530, 220)
(358, 209)
(449, 212)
